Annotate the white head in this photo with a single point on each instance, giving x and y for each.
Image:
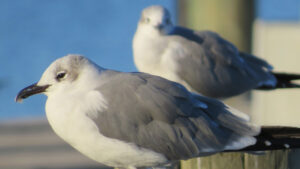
(60, 75)
(155, 20)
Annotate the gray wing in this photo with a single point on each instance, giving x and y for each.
(163, 116)
(214, 67)
(250, 59)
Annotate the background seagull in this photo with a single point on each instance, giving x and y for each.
(136, 120)
(202, 61)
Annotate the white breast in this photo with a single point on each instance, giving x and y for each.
(69, 117)
(158, 56)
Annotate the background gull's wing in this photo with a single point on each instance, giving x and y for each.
(212, 66)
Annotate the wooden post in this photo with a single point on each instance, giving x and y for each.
(269, 160)
(231, 18)
(189, 164)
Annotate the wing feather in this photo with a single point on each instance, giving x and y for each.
(155, 113)
(214, 67)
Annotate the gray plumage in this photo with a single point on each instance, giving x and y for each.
(202, 61)
(214, 67)
(135, 119)
(163, 116)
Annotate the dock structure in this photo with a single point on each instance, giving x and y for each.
(31, 144)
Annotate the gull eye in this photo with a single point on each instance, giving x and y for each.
(147, 20)
(60, 75)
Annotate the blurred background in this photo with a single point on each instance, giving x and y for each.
(33, 33)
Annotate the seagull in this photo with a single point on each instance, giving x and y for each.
(202, 61)
(134, 120)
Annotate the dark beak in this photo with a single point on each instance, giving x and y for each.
(29, 91)
(160, 27)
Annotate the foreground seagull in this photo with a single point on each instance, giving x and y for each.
(203, 61)
(136, 120)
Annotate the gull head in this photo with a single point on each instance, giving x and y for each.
(61, 75)
(156, 19)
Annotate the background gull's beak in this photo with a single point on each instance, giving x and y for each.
(29, 91)
(160, 26)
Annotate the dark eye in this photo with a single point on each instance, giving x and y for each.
(147, 20)
(60, 75)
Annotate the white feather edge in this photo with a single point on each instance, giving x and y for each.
(256, 128)
(238, 113)
(242, 142)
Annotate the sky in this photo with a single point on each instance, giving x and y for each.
(277, 10)
(33, 33)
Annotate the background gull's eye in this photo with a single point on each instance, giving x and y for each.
(60, 75)
(147, 20)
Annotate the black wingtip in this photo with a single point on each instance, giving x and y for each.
(284, 81)
(276, 138)
(286, 76)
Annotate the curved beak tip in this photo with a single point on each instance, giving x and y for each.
(18, 100)
(29, 91)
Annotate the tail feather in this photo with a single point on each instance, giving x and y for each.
(286, 76)
(284, 81)
(275, 138)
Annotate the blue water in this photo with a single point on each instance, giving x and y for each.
(278, 10)
(33, 33)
